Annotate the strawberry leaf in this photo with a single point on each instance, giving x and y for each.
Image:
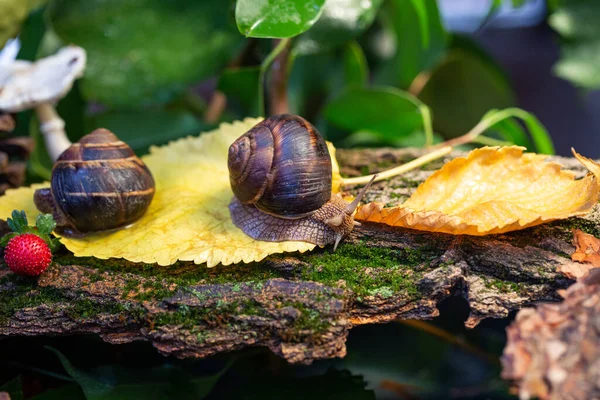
(18, 222)
(45, 224)
(6, 238)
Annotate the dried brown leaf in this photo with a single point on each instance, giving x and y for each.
(492, 190)
(587, 255)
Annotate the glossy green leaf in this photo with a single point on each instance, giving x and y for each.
(276, 18)
(461, 90)
(411, 56)
(386, 111)
(240, 85)
(356, 70)
(143, 128)
(341, 21)
(143, 52)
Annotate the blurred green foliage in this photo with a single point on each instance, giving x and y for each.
(366, 73)
(577, 22)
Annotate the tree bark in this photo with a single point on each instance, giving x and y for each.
(301, 306)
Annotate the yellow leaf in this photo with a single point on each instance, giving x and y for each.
(188, 219)
(492, 190)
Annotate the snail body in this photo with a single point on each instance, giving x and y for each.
(281, 176)
(97, 184)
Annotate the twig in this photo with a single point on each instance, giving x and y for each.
(416, 163)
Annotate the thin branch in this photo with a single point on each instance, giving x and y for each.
(416, 163)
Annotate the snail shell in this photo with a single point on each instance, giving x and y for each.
(282, 167)
(280, 174)
(97, 184)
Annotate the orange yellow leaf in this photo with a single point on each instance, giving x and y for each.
(492, 190)
(188, 219)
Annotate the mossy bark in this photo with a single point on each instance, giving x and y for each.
(301, 306)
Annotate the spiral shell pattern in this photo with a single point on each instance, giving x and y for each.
(99, 183)
(282, 166)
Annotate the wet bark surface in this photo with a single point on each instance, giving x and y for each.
(301, 306)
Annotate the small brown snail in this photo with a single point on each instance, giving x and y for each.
(97, 184)
(280, 174)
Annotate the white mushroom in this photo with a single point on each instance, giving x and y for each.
(40, 85)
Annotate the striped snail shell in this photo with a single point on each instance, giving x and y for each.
(282, 167)
(97, 184)
(281, 176)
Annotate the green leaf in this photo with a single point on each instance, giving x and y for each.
(45, 224)
(40, 163)
(18, 222)
(387, 111)
(356, 70)
(143, 128)
(12, 13)
(116, 383)
(411, 56)
(31, 34)
(423, 15)
(511, 131)
(241, 86)
(143, 52)
(341, 21)
(13, 388)
(91, 386)
(6, 238)
(276, 18)
(539, 135)
(580, 64)
(577, 22)
(462, 89)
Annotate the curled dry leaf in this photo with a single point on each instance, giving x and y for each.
(492, 190)
(552, 351)
(587, 255)
(188, 219)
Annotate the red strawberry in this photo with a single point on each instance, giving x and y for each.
(27, 254)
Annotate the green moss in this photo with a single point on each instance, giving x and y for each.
(368, 269)
(180, 273)
(504, 286)
(25, 293)
(409, 183)
(190, 317)
(587, 226)
(310, 319)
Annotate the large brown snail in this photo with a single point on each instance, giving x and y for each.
(280, 174)
(97, 184)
